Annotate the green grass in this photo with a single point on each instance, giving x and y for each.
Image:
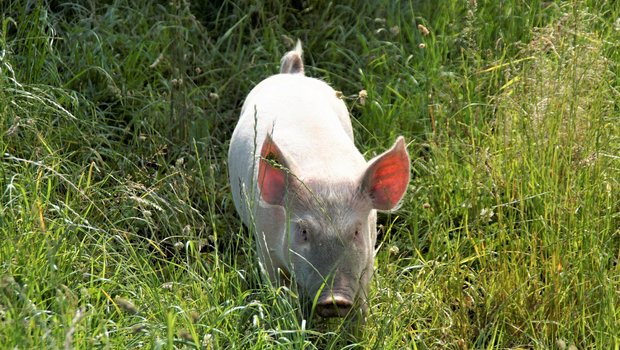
(117, 228)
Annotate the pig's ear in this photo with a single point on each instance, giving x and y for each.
(273, 173)
(387, 176)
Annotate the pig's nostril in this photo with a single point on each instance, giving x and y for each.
(334, 306)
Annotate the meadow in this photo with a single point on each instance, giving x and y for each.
(117, 227)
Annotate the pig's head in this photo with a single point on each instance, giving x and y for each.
(331, 230)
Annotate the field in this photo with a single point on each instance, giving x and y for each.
(117, 227)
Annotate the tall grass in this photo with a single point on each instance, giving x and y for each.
(117, 227)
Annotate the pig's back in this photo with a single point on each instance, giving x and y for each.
(297, 104)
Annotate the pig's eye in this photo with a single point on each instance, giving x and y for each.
(357, 231)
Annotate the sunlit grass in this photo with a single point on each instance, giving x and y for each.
(117, 227)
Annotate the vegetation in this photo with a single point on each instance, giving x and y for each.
(117, 228)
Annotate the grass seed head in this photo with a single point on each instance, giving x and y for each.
(126, 305)
(195, 316)
(137, 328)
(185, 335)
(423, 30)
(363, 94)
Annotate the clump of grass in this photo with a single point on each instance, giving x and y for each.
(116, 221)
(556, 129)
(502, 244)
(557, 113)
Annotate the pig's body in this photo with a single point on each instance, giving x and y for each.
(313, 214)
(308, 122)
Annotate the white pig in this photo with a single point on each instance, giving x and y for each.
(306, 192)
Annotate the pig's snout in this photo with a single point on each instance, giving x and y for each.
(334, 305)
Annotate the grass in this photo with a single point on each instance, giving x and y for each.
(116, 220)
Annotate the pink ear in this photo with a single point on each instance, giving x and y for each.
(271, 173)
(387, 176)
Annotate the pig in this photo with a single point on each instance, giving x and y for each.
(306, 192)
